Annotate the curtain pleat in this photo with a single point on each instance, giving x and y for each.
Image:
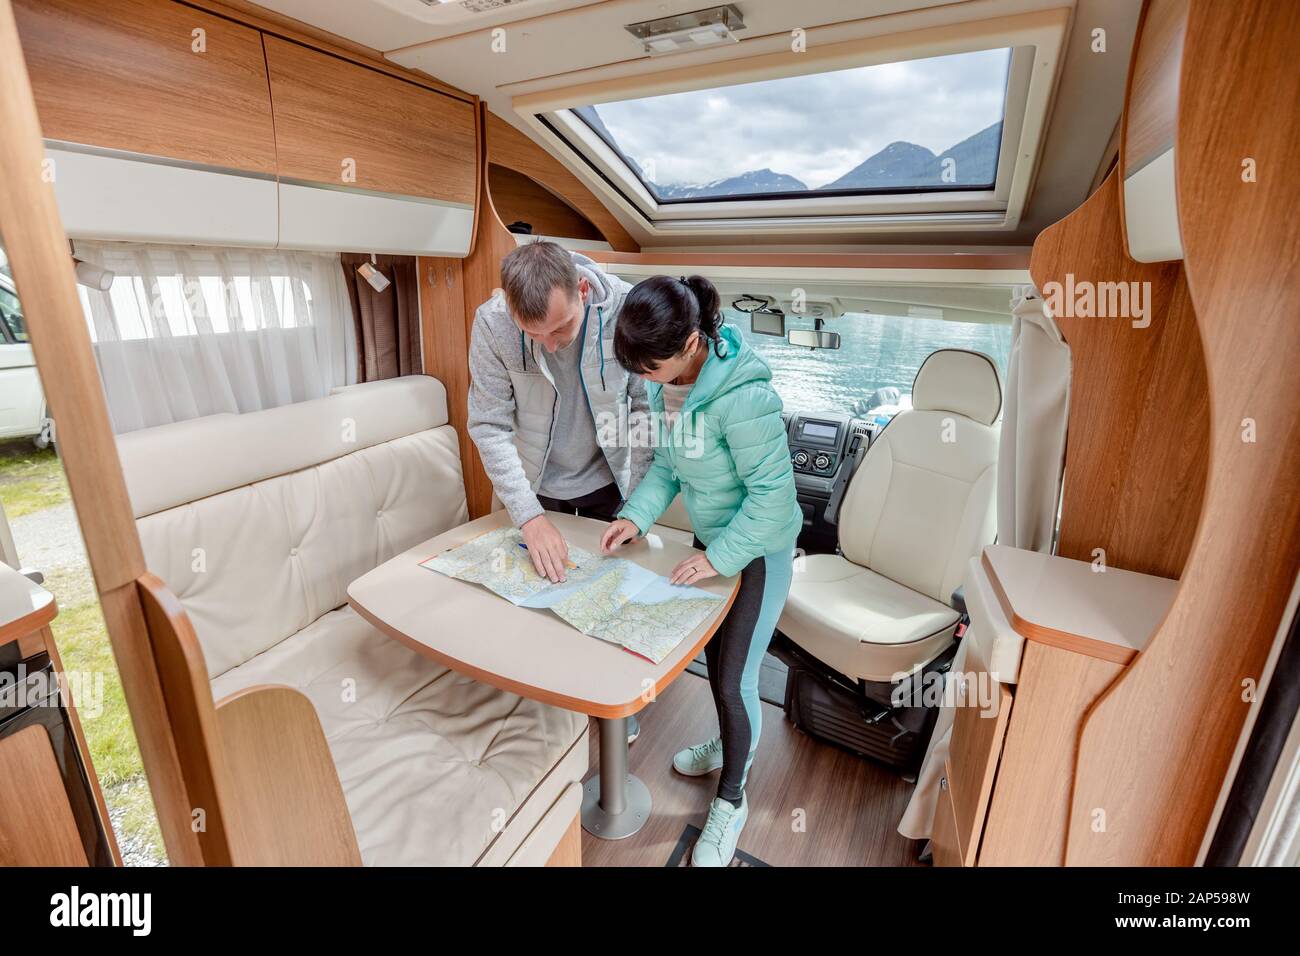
(187, 331)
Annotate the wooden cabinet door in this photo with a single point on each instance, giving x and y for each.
(978, 730)
(149, 76)
(945, 846)
(341, 124)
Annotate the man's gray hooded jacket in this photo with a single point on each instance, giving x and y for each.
(513, 399)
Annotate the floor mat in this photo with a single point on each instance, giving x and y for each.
(771, 678)
(682, 851)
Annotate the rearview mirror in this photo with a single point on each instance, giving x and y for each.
(813, 339)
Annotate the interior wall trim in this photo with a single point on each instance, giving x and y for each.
(507, 146)
(979, 262)
(89, 149)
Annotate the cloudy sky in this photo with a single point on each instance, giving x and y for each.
(815, 127)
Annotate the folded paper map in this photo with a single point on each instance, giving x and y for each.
(609, 598)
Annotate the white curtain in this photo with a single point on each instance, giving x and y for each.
(1031, 456)
(187, 331)
(1036, 411)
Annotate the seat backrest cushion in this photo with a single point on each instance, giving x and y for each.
(255, 563)
(922, 503)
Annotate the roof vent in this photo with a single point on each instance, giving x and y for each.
(688, 31)
(474, 6)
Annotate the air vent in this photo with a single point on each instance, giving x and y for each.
(474, 6)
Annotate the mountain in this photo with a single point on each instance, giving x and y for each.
(974, 163)
(976, 157)
(898, 164)
(754, 181)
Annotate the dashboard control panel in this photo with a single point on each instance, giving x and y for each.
(824, 447)
(816, 444)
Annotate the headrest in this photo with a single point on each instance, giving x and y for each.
(172, 465)
(954, 380)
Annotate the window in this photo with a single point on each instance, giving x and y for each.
(876, 352)
(187, 331)
(920, 125)
(895, 132)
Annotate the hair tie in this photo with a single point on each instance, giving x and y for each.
(682, 280)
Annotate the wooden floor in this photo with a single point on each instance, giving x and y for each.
(850, 807)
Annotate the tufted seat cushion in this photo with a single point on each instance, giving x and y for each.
(408, 736)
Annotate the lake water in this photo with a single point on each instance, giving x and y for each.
(875, 351)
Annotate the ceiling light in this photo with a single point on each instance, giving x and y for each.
(688, 31)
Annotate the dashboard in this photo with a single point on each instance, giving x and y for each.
(824, 449)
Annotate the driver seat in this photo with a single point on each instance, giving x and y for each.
(919, 507)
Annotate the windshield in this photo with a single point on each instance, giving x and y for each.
(876, 352)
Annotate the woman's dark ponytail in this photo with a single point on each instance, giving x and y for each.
(658, 317)
(710, 309)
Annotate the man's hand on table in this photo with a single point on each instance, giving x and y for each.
(546, 547)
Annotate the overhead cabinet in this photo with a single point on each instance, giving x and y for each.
(169, 124)
(367, 160)
(149, 77)
(341, 124)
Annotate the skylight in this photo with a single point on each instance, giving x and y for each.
(923, 125)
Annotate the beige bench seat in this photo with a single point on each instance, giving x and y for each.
(259, 522)
(424, 754)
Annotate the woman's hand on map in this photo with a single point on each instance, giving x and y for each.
(546, 547)
(619, 533)
(693, 570)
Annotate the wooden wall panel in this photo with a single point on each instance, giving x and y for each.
(450, 292)
(510, 148)
(123, 74)
(1156, 749)
(444, 333)
(403, 138)
(1152, 112)
(517, 197)
(1136, 457)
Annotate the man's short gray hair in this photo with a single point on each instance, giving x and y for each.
(530, 273)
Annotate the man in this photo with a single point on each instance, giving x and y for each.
(548, 405)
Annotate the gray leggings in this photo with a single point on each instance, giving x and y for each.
(734, 656)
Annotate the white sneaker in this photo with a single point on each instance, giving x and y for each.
(698, 760)
(717, 843)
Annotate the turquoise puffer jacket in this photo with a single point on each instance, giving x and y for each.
(729, 457)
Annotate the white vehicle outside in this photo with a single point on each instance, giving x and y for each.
(22, 402)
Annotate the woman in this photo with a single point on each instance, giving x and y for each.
(721, 442)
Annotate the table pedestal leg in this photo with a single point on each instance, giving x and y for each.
(615, 804)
